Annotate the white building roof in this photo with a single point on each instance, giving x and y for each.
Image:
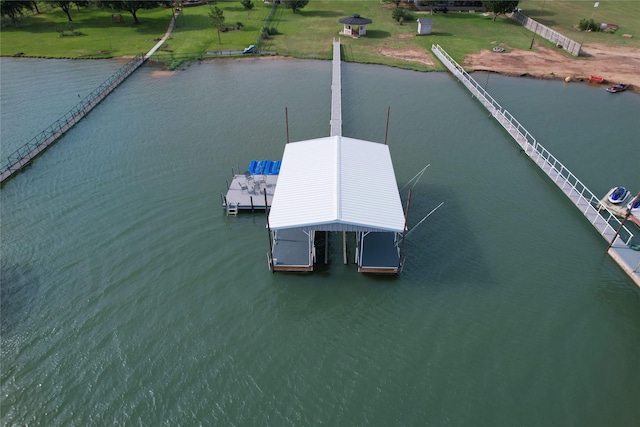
(337, 184)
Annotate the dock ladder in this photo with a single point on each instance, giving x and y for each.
(232, 209)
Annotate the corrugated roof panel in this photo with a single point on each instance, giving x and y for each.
(337, 184)
(305, 190)
(369, 189)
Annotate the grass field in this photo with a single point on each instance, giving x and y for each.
(308, 33)
(563, 15)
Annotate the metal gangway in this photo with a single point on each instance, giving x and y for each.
(607, 224)
(22, 157)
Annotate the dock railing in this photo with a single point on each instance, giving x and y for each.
(599, 216)
(22, 156)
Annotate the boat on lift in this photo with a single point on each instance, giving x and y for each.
(634, 205)
(618, 195)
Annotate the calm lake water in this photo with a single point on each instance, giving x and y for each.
(130, 298)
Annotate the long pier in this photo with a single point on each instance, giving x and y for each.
(22, 157)
(336, 92)
(603, 220)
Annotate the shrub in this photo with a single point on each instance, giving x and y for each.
(401, 15)
(588, 25)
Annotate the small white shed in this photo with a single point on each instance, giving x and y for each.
(424, 26)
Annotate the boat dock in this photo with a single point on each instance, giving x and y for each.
(340, 185)
(252, 189)
(598, 214)
(22, 158)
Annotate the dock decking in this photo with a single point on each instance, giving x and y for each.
(605, 221)
(247, 193)
(336, 92)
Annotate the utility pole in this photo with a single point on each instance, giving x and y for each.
(595, 6)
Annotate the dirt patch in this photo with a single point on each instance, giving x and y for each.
(615, 64)
(415, 55)
(162, 73)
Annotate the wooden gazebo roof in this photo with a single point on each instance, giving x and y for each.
(355, 19)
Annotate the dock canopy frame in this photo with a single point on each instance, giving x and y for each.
(337, 184)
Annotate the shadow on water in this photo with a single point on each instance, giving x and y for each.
(335, 258)
(443, 249)
(20, 285)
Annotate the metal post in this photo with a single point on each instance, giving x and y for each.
(286, 118)
(326, 247)
(595, 6)
(266, 211)
(386, 130)
(404, 232)
(344, 246)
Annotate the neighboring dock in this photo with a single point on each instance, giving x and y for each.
(603, 219)
(22, 158)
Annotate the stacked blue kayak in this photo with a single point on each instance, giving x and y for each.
(265, 167)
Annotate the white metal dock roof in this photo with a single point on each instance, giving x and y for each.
(337, 184)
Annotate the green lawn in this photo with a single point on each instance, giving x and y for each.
(99, 37)
(195, 35)
(563, 15)
(308, 33)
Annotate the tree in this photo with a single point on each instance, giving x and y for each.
(399, 14)
(130, 6)
(295, 5)
(247, 4)
(500, 6)
(12, 9)
(396, 2)
(66, 5)
(217, 19)
(429, 3)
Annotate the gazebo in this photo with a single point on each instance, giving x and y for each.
(355, 25)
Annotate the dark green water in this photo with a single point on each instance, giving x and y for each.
(129, 298)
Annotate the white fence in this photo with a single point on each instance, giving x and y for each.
(601, 218)
(547, 33)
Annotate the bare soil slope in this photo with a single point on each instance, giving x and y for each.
(615, 64)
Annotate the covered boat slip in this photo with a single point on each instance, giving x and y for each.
(378, 253)
(293, 250)
(340, 184)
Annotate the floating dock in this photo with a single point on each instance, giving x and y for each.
(598, 214)
(252, 189)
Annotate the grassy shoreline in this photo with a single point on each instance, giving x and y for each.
(94, 34)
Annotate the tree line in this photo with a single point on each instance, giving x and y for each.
(14, 9)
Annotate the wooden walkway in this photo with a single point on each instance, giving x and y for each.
(22, 158)
(336, 92)
(605, 221)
